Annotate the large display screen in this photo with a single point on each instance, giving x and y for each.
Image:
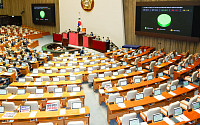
(43, 14)
(176, 20)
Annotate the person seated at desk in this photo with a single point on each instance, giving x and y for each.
(26, 49)
(13, 43)
(103, 39)
(30, 56)
(5, 81)
(78, 29)
(98, 38)
(107, 40)
(17, 69)
(27, 42)
(69, 30)
(1, 41)
(91, 34)
(82, 51)
(4, 64)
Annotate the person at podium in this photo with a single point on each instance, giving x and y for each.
(82, 51)
(78, 29)
(107, 40)
(91, 34)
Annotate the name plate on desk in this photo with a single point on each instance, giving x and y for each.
(47, 83)
(121, 105)
(32, 114)
(62, 111)
(125, 74)
(12, 96)
(138, 108)
(171, 93)
(159, 97)
(82, 110)
(27, 83)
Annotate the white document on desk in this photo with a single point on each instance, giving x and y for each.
(12, 96)
(107, 68)
(6, 73)
(34, 75)
(113, 77)
(62, 111)
(171, 93)
(168, 121)
(119, 88)
(141, 71)
(33, 113)
(159, 97)
(109, 89)
(82, 110)
(143, 123)
(121, 105)
(182, 118)
(127, 66)
(102, 78)
(72, 94)
(162, 78)
(89, 71)
(57, 94)
(125, 74)
(174, 59)
(197, 110)
(101, 91)
(27, 83)
(47, 83)
(138, 108)
(170, 62)
(189, 87)
(35, 96)
(37, 83)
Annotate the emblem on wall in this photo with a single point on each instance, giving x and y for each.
(87, 5)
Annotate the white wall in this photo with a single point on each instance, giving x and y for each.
(106, 19)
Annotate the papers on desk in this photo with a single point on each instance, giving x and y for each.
(179, 55)
(33, 74)
(57, 94)
(113, 77)
(12, 96)
(197, 110)
(70, 73)
(107, 63)
(170, 62)
(7, 73)
(101, 91)
(163, 78)
(138, 108)
(35, 96)
(159, 66)
(188, 67)
(47, 83)
(119, 88)
(102, 78)
(182, 118)
(141, 71)
(143, 123)
(183, 69)
(171, 93)
(125, 74)
(27, 83)
(89, 71)
(109, 89)
(174, 59)
(127, 66)
(168, 121)
(82, 110)
(9, 115)
(72, 94)
(33, 113)
(189, 87)
(37, 83)
(159, 97)
(62, 111)
(121, 105)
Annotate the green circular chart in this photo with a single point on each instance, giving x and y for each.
(42, 14)
(164, 20)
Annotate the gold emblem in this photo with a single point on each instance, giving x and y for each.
(87, 5)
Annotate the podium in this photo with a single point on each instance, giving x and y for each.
(100, 45)
(57, 37)
(76, 38)
(87, 41)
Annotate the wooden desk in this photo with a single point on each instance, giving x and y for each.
(182, 73)
(118, 57)
(163, 66)
(108, 54)
(34, 64)
(148, 102)
(76, 38)
(101, 46)
(87, 41)
(49, 116)
(12, 76)
(33, 44)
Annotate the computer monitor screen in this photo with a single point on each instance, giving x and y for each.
(25, 108)
(160, 74)
(186, 64)
(134, 121)
(115, 73)
(92, 63)
(157, 117)
(179, 68)
(185, 83)
(72, 78)
(150, 77)
(103, 67)
(112, 60)
(94, 57)
(118, 53)
(172, 56)
(23, 64)
(57, 65)
(124, 63)
(157, 92)
(9, 70)
(119, 100)
(2, 109)
(81, 63)
(3, 91)
(191, 61)
(108, 51)
(48, 52)
(149, 56)
(103, 61)
(139, 68)
(46, 65)
(101, 75)
(69, 64)
(140, 52)
(20, 91)
(123, 83)
(25, 58)
(39, 91)
(166, 59)
(129, 56)
(12, 55)
(74, 59)
(21, 80)
(76, 105)
(35, 71)
(128, 71)
(156, 54)
(56, 79)
(64, 60)
(77, 70)
(90, 68)
(34, 59)
(58, 90)
(135, 54)
(137, 80)
(114, 65)
(159, 63)
(195, 105)
(76, 89)
(114, 49)
(63, 70)
(139, 96)
(1, 69)
(7, 61)
(142, 59)
(173, 87)
(38, 79)
(49, 71)
(108, 85)
(178, 111)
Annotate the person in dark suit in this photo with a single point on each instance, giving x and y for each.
(17, 69)
(78, 29)
(4, 64)
(91, 34)
(82, 51)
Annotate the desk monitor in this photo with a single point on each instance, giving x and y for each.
(179, 68)
(66, 53)
(12, 55)
(195, 105)
(137, 80)
(85, 58)
(139, 68)
(25, 108)
(103, 67)
(139, 96)
(75, 59)
(90, 68)
(191, 61)
(124, 63)
(131, 48)
(129, 56)
(135, 54)
(149, 56)
(92, 53)
(72, 78)
(38, 79)
(128, 71)
(114, 65)
(3, 91)
(119, 100)
(114, 49)
(41, 55)
(108, 85)
(64, 60)
(77, 70)
(157, 117)
(159, 63)
(160, 74)
(46, 65)
(35, 71)
(103, 61)
(177, 53)
(7, 61)
(57, 65)
(1, 69)
(125, 51)
(2, 109)
(49, 71)
(39, 91)
(63, 70)
(173, 87)
(81, 63)
(134, 121)
(118, 53)
(166, 59)
(9, 70)
(142, 59)
(150, 77)
(140, 52)
(112, 60)
(34, 59)
(172, 56)
(92, 63)
(76, 89)
(25, 58)
(23, 64)
(58, 90)
(156, 54)
(178, 111)
(69, 64)
(108, 51)
(56, 79)
(157, 92)
(48, 52)
(21, 91)
(94, 57)
(21, 80)
(101, 75)
(115, 73)
(186, 64)
(76, 52)
(76, 105)
(185, 83)
(123, 83)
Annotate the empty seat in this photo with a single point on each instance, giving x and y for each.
(62, 78)
(192, 78)
(109, 73)
(170, 71)
(137, 77)
(54, 70)
(69, 87)
(163, 87)
(188, 104)
(169, 110)
(111, 98)
(133, 69)
(121, 71)
(148, 91)
(70, 101)
(9, 106)
(126, 117)
(152, 64)
(33, 104)
(131, 94)
(41, 70)
(31, 90)
(148, 115)
(29, 79)
(12, 90)
(46, 78)
(69, 70)
(91, 77)
(51, 88)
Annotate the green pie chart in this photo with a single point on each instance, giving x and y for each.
(164, 20)
(42, 14)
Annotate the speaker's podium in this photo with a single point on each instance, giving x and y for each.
(76, 38)
(101, 46)
(87, 41)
